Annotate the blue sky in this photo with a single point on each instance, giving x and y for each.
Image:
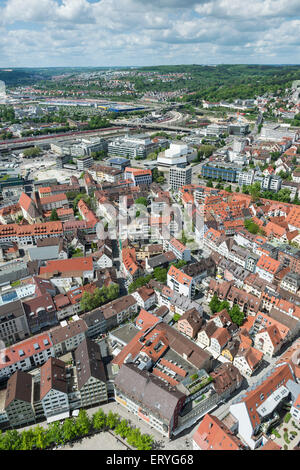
(45, 33)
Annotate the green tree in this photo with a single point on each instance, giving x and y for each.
(254, 190)
(251, 226)
(82, 196)
(32, 152)
(55, 433)
(28, 440)
(141, 200)
(90, 301)
(41, 437)
(134, 437)
(122, 428)
(83, 423)
(245, 189)
(214, 304)
(224, 304)
(275, 156)
(145, 442)
(139, 282)
(206, 150)
(179, 264)
(10, 440)
(99, 420)
(69, 430)
(160, 274)
(160, 179)
(236, 315)
(54, 215)
(112, 420)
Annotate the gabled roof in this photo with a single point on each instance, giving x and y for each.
(179, 276)
(149, 390)
(18, 387)
(259, 392)
(268, 264)
(89, 362)
(71, 265)
(222, 335)
(53, 377)
(212, 434)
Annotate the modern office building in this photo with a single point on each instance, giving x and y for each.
(180, 176)
(275, 132)
(118, 162)
(226, 174)
(238, 129)
(131, 146)
(84, 162)
(246, 178)
(271, 183)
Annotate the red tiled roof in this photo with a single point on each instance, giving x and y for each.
(40, 229)
(67, 265)
(178, 245)
(179, 276)
(55, 198)
(268, 264)
(12, 355)
(25, 201)
(137, 171)
(164, 376)
(254, 398)
(212, 434)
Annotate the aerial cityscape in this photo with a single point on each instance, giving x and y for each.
(149, 232)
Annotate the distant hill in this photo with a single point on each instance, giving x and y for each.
(17, 77)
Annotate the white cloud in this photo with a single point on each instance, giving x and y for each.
(125, 32)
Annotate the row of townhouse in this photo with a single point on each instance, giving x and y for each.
(179, 249)
(66, 337)
(29, 234)
(185, 280)
(110, 316)
(141, 384)
(222, 338)
(269, 331)
(254, 261)
(172, 300)
(55, 389)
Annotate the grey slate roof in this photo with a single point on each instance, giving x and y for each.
(148, 390)
(89, 362)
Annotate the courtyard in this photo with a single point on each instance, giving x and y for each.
(287, 433)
